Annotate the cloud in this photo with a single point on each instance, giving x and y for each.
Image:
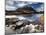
(13, 5)
(38, 7)
(21, 5)
(10, 7)
(41, 8)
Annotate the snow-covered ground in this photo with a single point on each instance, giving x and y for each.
(30, 27)
(8, 30)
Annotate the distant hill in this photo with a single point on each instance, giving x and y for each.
(23, 11)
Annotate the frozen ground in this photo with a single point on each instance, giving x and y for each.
(10, 31)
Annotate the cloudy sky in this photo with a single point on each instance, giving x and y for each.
(13, 5)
